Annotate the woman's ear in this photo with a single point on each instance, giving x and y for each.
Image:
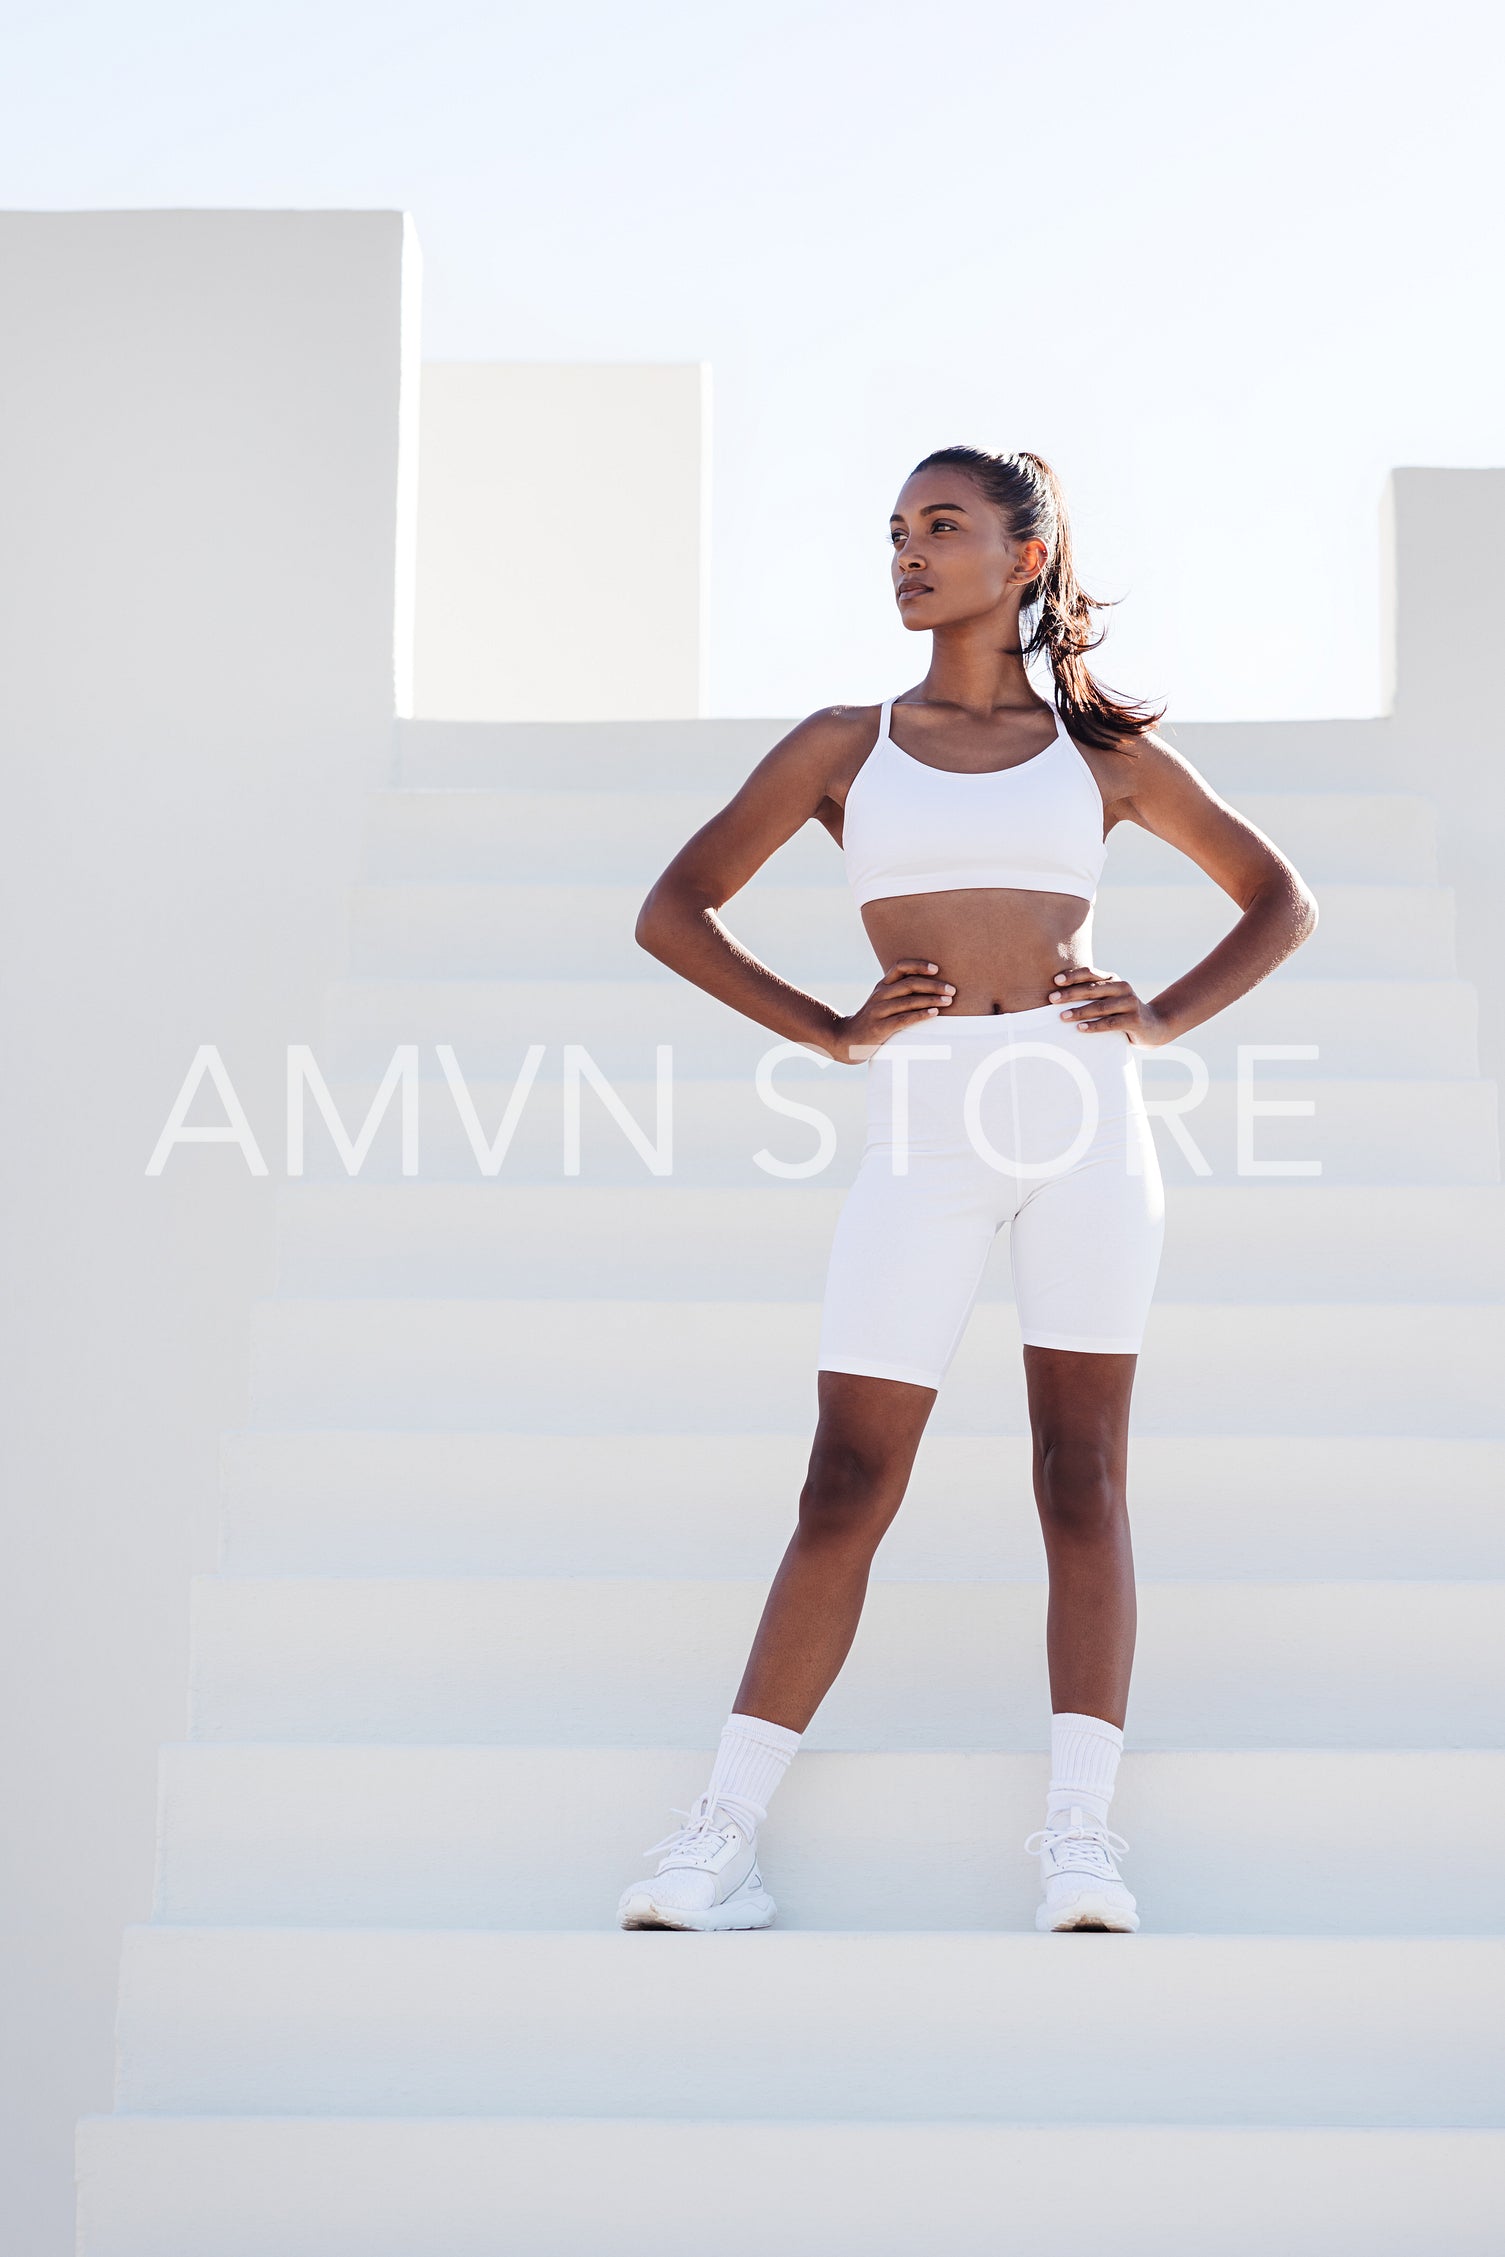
(1034, 555)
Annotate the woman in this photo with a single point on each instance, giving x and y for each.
(1001, 1089)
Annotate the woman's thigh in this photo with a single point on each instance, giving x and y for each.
(1085, 1250)
(1086, 1238)
(907, 1258)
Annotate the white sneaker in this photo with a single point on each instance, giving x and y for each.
(708, 1879)
(1080, 1877)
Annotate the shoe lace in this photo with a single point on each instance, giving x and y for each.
(705, 1821)
(1053, 1837)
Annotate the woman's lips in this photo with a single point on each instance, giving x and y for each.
(913, 588)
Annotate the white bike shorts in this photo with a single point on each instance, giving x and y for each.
(1015, 1117)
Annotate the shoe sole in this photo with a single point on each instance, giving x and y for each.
(1089, 1913)
(640, 1911)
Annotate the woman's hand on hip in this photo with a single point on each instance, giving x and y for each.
(1100, 1000)
(909, 993)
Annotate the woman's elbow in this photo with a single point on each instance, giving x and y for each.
(1287, 902)
(649, 921)
(673, 908)
(1298, 905)
(661, 921)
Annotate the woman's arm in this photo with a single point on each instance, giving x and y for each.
(678, 922)
(1165, 795)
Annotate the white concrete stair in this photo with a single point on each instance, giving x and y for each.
(483, 930)
(578, 1662)
(379, 1501)
(590, 756)
(624, 837)
(1250, 1242)
(268, 1833)
(704, 1366)
(522, 1452)
(165, 2186)
(1399, 2030)
(1378, 1028)
(1383, 1131)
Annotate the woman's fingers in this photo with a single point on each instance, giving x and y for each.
(1112, 1000)
(1081, 992)
(888, 1012)
(1119, 998)
(909, 983)
(1084, 981)
(897, 997)
(915, 983)
(1110, 1014)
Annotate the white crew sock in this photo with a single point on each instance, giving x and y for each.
(750, 1762)
(1084, 1753)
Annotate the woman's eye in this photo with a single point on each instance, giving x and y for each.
(943, 525)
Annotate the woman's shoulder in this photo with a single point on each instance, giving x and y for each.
(838, 724)
(832, 742)
(814, 761)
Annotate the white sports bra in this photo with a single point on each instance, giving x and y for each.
(911, 828)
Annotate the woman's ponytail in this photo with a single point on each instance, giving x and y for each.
(1063, 626)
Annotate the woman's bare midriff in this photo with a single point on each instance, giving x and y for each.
(1000, 948)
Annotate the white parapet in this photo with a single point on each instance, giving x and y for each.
(201, 547)
(561, 541)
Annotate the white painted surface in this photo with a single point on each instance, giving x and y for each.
(401, 1502)
(1379, 1029)
(709, 1366)
(438, 929)
(1261, 1648)
(542, 827)
(562, 522)
(1446, 561)
(581, 1663)
(505, 1512)
(502, 1522)
(385, 2187)
(1366, 1130)
(910, 2027)
(199, 417)
(1304, 1240)
(270, 1833)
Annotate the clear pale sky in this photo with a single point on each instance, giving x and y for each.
(1224, 265)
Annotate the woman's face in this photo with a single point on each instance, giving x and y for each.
(953, 561)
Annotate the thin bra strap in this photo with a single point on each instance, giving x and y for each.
(888, 706)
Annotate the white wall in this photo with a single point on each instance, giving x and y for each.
(1448, 575)
(561, 542)
(199, 417)
(1443, 732)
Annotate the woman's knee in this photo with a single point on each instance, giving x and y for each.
(851, 1492)
(1080, 1490)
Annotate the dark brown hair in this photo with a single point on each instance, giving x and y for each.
(1028, 493)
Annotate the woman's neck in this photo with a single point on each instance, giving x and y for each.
(978, 666)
